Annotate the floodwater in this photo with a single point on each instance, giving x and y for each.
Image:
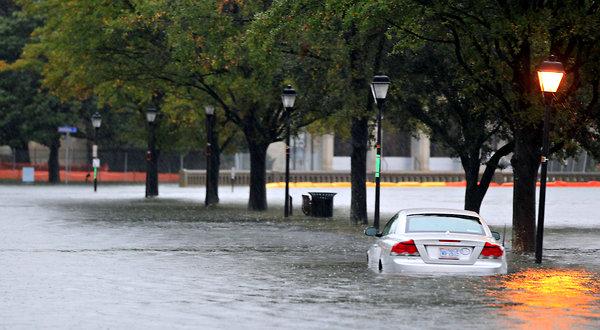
(70, 258)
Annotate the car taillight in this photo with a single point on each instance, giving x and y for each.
(406, 248)
(491, 251)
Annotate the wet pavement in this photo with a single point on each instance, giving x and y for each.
(73, 259)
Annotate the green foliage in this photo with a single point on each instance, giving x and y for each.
(498, 46)
(239, 54)
(15, 29)
(337, 43)
(27, 111)
(123, 52)
(431, 89)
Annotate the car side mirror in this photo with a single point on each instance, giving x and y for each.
(372, 231)
(496, 235)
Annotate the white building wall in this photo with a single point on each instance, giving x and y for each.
(396, 164)
(340, 164)
(316, 153)
(420, 147)
(307, 153)
(6, 151)
(276, 152)
(329, 162)
(444, 164)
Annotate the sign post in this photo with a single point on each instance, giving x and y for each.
(67, 130)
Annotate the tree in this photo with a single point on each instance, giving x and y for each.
(498, 45)
(347, 41)
(198, 46)
(29, 112)
(14, 33)
(244, 78)
(430, 88)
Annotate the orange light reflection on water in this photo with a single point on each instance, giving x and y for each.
(551, 299)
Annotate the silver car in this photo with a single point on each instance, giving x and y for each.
(436, 241)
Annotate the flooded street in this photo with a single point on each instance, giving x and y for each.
(73, 259)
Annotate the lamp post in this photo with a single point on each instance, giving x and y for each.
(288, 97)
(151, 156)
(211, 180)
(550, 74)
(96, 123)
(379, 88)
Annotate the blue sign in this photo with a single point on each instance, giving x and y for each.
(28, 174)
(67, 129)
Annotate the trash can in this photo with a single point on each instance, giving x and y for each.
(322, 204)
(306, 205)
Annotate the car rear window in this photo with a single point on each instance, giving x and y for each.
(418, 223)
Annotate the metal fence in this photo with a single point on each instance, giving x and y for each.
(113, 159)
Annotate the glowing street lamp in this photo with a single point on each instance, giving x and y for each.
(550, 74)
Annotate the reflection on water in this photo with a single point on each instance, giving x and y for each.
(551, 299)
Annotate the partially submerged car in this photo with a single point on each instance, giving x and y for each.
(436, 241)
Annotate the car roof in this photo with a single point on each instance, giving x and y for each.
(438, 211)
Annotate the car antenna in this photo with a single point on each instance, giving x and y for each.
(503, 235)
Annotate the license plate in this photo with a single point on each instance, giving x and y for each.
(449, 253)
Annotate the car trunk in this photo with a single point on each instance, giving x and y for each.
(449, 251)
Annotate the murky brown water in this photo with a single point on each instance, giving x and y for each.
(71, 259)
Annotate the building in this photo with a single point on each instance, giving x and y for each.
(400, 152)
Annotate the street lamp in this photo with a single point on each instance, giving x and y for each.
(151, 157)
(550, 74)
(151, 115)
(288, 97)
(379, 88)
(211, 185)
(96, 123)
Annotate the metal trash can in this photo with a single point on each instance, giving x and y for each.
(322, 204)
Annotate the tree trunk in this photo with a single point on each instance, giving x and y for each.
(477, 187)
(525, 163)
(152, 163)
(473, 198)
(358, 172)
(258, 176)
(212, 179)
(213, 161)
(152, 175)
(53, 164)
